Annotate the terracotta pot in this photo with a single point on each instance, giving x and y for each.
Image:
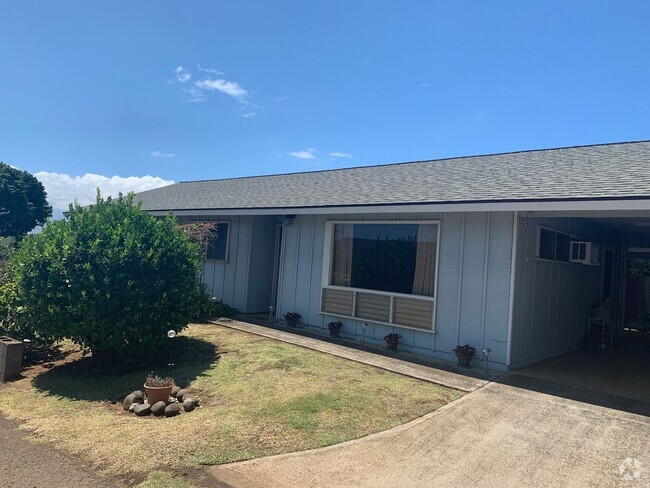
(158, 394)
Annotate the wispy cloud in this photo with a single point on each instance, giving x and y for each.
(337, 154)
(304, 154)
(197, 90)
(62, 189)
(159, 154)
(210, 70)
(231, 88)
(182, 74)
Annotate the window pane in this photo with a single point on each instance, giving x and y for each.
(562, 243)
(398, 258)
(546, 244)
(218, 248)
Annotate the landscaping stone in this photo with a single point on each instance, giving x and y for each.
(158, 408)
(172, 409)
(142, 409)
(181, 392)
(186, 396)
(132, 407)
(138, 395)
(189, 404)
(175, 390)
(128, 401)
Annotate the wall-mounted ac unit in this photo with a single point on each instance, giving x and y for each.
(585, 253)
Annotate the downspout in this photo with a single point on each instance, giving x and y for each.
(511, 305)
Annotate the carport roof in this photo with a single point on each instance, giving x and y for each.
(599, 172)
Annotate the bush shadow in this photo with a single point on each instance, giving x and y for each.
(191, 357)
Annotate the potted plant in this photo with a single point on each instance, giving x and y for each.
(465, 354)
(292, 318)
(335, 328)
(392, 340)
(157, 388)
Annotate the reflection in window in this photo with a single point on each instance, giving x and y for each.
(398, 258)
(218, 248)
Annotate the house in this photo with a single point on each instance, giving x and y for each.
(512, 252)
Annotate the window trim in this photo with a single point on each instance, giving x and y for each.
(227, 256)
(327, 270)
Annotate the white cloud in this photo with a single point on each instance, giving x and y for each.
(231, 88)
(158, 154)
(195, 94)
(182, 74)
(304, 154)
(337, 154)
(249, 114)
(210, 70)
(62, 189)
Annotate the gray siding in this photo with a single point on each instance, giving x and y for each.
(473, 282)
(552, 300)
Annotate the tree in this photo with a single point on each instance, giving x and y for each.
(111, 277)
(23, 202)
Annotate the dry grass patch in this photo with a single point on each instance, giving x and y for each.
(259, 397)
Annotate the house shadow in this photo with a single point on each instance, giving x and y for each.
(576, 393)
(191, 359)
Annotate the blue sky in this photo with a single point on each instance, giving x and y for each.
(151, 92)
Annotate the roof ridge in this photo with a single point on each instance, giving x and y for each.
(505, 153)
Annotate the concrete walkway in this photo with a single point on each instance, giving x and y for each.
(463, 382)
(498, 436)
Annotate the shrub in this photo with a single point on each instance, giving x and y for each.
(206, 306)
(110, 277)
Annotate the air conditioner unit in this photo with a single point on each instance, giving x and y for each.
(585, 253)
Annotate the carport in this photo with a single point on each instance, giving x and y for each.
(581, 313)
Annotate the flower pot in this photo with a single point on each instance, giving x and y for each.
(292, 322)
(335, 332)
(392, 345)
(464, 361)
(158, 394)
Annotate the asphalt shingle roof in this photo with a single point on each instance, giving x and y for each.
(607, 171)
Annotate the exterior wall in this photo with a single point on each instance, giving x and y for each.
(552, 300)
(244, 279)
(473, 282)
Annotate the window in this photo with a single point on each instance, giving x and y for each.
(387, 257)
(553, 245)
(218, 249)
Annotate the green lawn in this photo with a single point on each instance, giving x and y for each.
(258, 397)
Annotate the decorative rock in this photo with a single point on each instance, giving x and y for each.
(180, 393)
(142, 409)
(128, 401)
(158, 408)
(138, 396)
(175, 390)
(132, 407)
(172, 409)
(186, 396)
(188, 404)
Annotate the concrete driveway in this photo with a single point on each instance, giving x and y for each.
(508, 434)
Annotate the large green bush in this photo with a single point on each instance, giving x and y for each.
(111, 277)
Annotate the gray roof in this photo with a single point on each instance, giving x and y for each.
(606, 171)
